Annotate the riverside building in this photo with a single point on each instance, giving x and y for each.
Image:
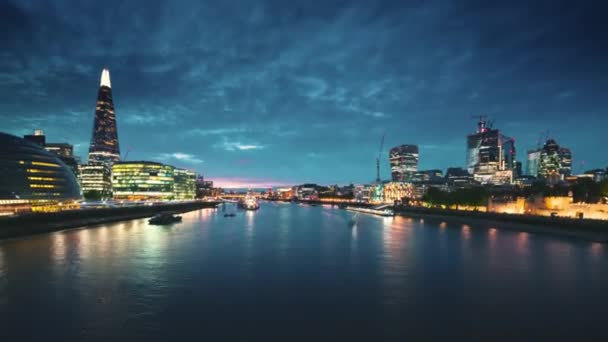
(34, 179)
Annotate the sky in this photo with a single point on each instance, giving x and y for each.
(256, 93)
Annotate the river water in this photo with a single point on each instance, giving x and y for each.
(293, 271)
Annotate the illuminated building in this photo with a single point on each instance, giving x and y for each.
(532, 163)
(142, 180)
(397, 191)
(65, 152)
(458, 178)
(95, 177)
(184, 186)
(363, 193)
(33, 179)
(104, 141)
(404, 162)
(60, 149)
(284, 193)
(204, 188)
(307, 192)
(555, 162)
(490, 155)
(96, 180)
(377, 193)
(565, 168)
(428, 176)
(597, 175)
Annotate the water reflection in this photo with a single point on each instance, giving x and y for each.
(465, 231)
(596, 249)
(131, 276)
(522, 242)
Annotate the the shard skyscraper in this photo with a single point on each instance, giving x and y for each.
(95, 177)
(104, 142)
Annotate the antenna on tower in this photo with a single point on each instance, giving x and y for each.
(378, 159)
(482, 124)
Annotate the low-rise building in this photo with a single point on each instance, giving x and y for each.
(142, 180)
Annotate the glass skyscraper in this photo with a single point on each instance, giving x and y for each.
(555, 162)
(104, 142)
(95, 177)
(404, 162)
(490, 155)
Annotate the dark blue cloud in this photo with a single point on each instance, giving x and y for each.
(303, 90)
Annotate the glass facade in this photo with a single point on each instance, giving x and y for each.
(104, 142)
(184, 187)
(489, 154)
(34, 175)
(532, 164)
(95, 180)
(555, 162)
(404, 162)
(143, 180)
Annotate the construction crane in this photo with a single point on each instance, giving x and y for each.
(378, 160)
(124, 158)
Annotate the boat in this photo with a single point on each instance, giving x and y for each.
(249, 202)
(383, 210)
(230, 215)
(164, 218)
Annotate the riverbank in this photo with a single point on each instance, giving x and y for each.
(37, 223)
(592, 230)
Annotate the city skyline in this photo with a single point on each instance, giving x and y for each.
(294, 110)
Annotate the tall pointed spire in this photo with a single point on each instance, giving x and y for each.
(105, 78)
(104, 142)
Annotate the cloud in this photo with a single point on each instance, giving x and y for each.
(179, 156)
(216, 131)
(237, 146)
(221, 76)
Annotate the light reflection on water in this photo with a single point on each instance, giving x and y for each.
(295, 263)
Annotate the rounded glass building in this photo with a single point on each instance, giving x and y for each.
(33, 178)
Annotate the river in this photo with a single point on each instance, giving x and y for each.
(292, 271)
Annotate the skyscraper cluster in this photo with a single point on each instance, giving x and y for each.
(490, 159)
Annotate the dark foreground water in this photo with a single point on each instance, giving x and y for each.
(298, 272)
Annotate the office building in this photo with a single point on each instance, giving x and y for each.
(33, 179)
(64, 151)
(532, 162)
(490, 155)
(95, 180)
(555, 162)
(404, 162)
(142, 180)
(184, 186)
